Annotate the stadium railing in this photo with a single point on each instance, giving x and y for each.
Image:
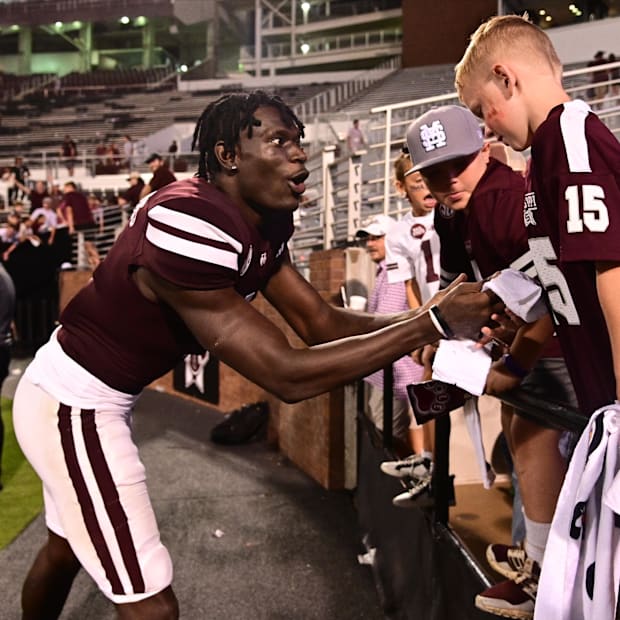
(325, 222)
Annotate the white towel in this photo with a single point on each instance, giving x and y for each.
(472, 422)
(581, 569)
(461, 363)
(521, 294)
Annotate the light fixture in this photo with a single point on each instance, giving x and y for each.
(305, 7)
(140, 21)
(548, 18)
(58, 25)
(305, 48)
(183, 68)
(542, 12)
(124, 20)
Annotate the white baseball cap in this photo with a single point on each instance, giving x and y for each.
(375, 225)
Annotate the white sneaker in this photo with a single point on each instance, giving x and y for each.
(418, 496)
(415, 466)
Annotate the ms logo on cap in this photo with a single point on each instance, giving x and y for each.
(433, 136)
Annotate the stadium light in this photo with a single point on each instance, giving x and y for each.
(124, 20)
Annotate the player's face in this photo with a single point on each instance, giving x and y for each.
(271, 165)
(453, 182)
(420, 197)
(501, 110)
(375, 246)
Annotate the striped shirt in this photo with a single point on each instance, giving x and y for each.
(389, 298)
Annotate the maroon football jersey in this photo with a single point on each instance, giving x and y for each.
(189, 234)
(572, 217)
(489, 235)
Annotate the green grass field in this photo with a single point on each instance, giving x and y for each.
(21, 500)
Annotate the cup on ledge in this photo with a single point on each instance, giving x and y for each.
(357, 302)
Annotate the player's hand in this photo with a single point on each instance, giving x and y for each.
(466, 308)
(500, 379)
(424, 356)
(502, 330)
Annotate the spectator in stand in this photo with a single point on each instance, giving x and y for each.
(74, 209)
(355, 138)
(387, 298)
(9, 235)
(36, 194)
(161, 174)
(56, 195)
(173, 149)
(68, 154)
(100, 153)
(7, 313)
(599, 78)
(17, 177)
(45, 221)
(614, 74)
(96, 209)
(131, 196)
(112, 158)
(127, 152)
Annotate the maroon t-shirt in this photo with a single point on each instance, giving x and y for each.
(190, 234)
(489, 235)
(572, 217)
(161, 177)
(82, 215)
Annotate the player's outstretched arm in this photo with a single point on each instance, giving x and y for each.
(241, 337)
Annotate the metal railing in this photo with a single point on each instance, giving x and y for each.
(343, 189)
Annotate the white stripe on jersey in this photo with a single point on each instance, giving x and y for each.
(573, 127)
(191, 249)
(525, 263)
(193, 225)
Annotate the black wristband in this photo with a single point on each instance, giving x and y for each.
(440, 322)
(514, 367)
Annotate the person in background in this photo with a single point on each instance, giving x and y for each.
(127, 152)
(74, 209)
(131, 196)
(18, 175)
(162, 175)
(412, 260)
(7, 314)
(387, 298)
(511, 77)
(68, 154)
(355, 138)
(46, 221)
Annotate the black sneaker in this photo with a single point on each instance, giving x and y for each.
(242, 425)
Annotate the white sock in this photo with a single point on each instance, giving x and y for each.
(536, 535)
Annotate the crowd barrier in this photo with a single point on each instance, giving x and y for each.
(422, 568)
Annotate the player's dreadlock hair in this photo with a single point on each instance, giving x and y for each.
(223, 120)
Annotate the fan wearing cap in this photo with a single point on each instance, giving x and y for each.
(162, 175)
(131, 196)
(387, 298)
(412, 248)
(480, 225)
